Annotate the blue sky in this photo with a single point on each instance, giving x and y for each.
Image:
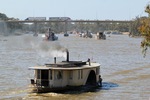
(75, 9)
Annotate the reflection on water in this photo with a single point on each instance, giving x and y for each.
(86, 89)
(124, 71)
(108, 85)
(81, 91)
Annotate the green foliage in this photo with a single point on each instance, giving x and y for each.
(3, 17)
(11, 26)
(147, 9)
(145, 31)
(134, 27)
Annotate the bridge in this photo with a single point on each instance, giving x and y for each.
(98, 22)
(88, 21)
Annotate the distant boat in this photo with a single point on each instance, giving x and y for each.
(50, 36)
(86, 34)
(35, 34)
(18, 33)
(66, 34)
(107, 33)
(116, 33)
(60, 76)
(100, 35)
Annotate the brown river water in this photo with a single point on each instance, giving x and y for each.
(125, 72)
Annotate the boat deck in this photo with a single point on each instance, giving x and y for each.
(67, 64)
(64, 65)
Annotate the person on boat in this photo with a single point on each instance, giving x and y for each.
(89, 61)
(52, 35)
(100, 81)
(49, 33)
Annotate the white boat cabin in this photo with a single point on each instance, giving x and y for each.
(57, 76)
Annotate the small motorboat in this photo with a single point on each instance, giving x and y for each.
(50, 36)
(66, 34)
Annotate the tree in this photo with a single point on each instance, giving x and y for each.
(10, 26)
(145, 31)
(3, 17)
(134, 27)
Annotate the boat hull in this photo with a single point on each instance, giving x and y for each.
(62, 89)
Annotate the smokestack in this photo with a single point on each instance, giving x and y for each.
(67, 56)
(55, 60)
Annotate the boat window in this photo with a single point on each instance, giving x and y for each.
(50, 74)
(38, 74)
(59, 74)
(80, 74)
(97, 71)
(44, 74)
(71, 74)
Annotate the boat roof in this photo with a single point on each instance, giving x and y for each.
(64, 65)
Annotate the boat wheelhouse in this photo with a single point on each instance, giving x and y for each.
(65, 75)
